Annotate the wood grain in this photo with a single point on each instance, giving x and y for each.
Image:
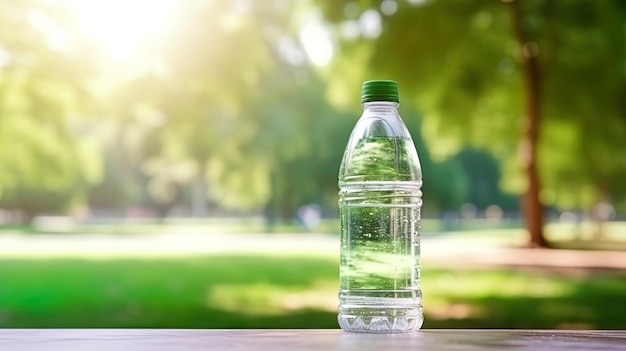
(314, 340)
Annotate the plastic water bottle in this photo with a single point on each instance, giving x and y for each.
(380, 202)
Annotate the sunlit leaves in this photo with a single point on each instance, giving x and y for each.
(44, 165)
(458, 61)
(42, 170)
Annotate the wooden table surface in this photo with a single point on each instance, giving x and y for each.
(275, 340)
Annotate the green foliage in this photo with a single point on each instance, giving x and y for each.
(213, 99)
(585, 86)
(221, 112)
(482, 171)
(302, 142)
(458, 61)
(44, 166)
(445, 185)
(47, 179)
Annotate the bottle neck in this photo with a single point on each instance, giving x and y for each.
(381, 106)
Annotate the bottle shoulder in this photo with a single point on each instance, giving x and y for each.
(381, 159)
(381, 122)
(380, 148)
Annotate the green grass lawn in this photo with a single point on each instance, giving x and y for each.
(264, 291)
(285, 289)
(210, 292)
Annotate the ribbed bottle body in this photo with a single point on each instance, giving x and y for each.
(380, 204)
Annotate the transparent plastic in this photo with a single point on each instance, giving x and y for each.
(380, 202)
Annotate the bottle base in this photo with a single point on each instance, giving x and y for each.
(380, 324)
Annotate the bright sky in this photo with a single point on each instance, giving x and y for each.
(122, 27)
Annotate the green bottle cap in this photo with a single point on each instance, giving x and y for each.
(379, 90)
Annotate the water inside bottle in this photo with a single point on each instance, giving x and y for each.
(379, 265)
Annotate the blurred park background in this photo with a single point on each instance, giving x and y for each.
(174, 163)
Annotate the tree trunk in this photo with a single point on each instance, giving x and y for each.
(532, 207)
(600, 212)
(163, 209)
(270, 211)
(199, 196)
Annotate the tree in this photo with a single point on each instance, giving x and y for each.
(483, 70)
(589, 116)
(186, 112)
(45, 167)
(482, 171)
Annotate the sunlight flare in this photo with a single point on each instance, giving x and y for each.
(123, 27)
